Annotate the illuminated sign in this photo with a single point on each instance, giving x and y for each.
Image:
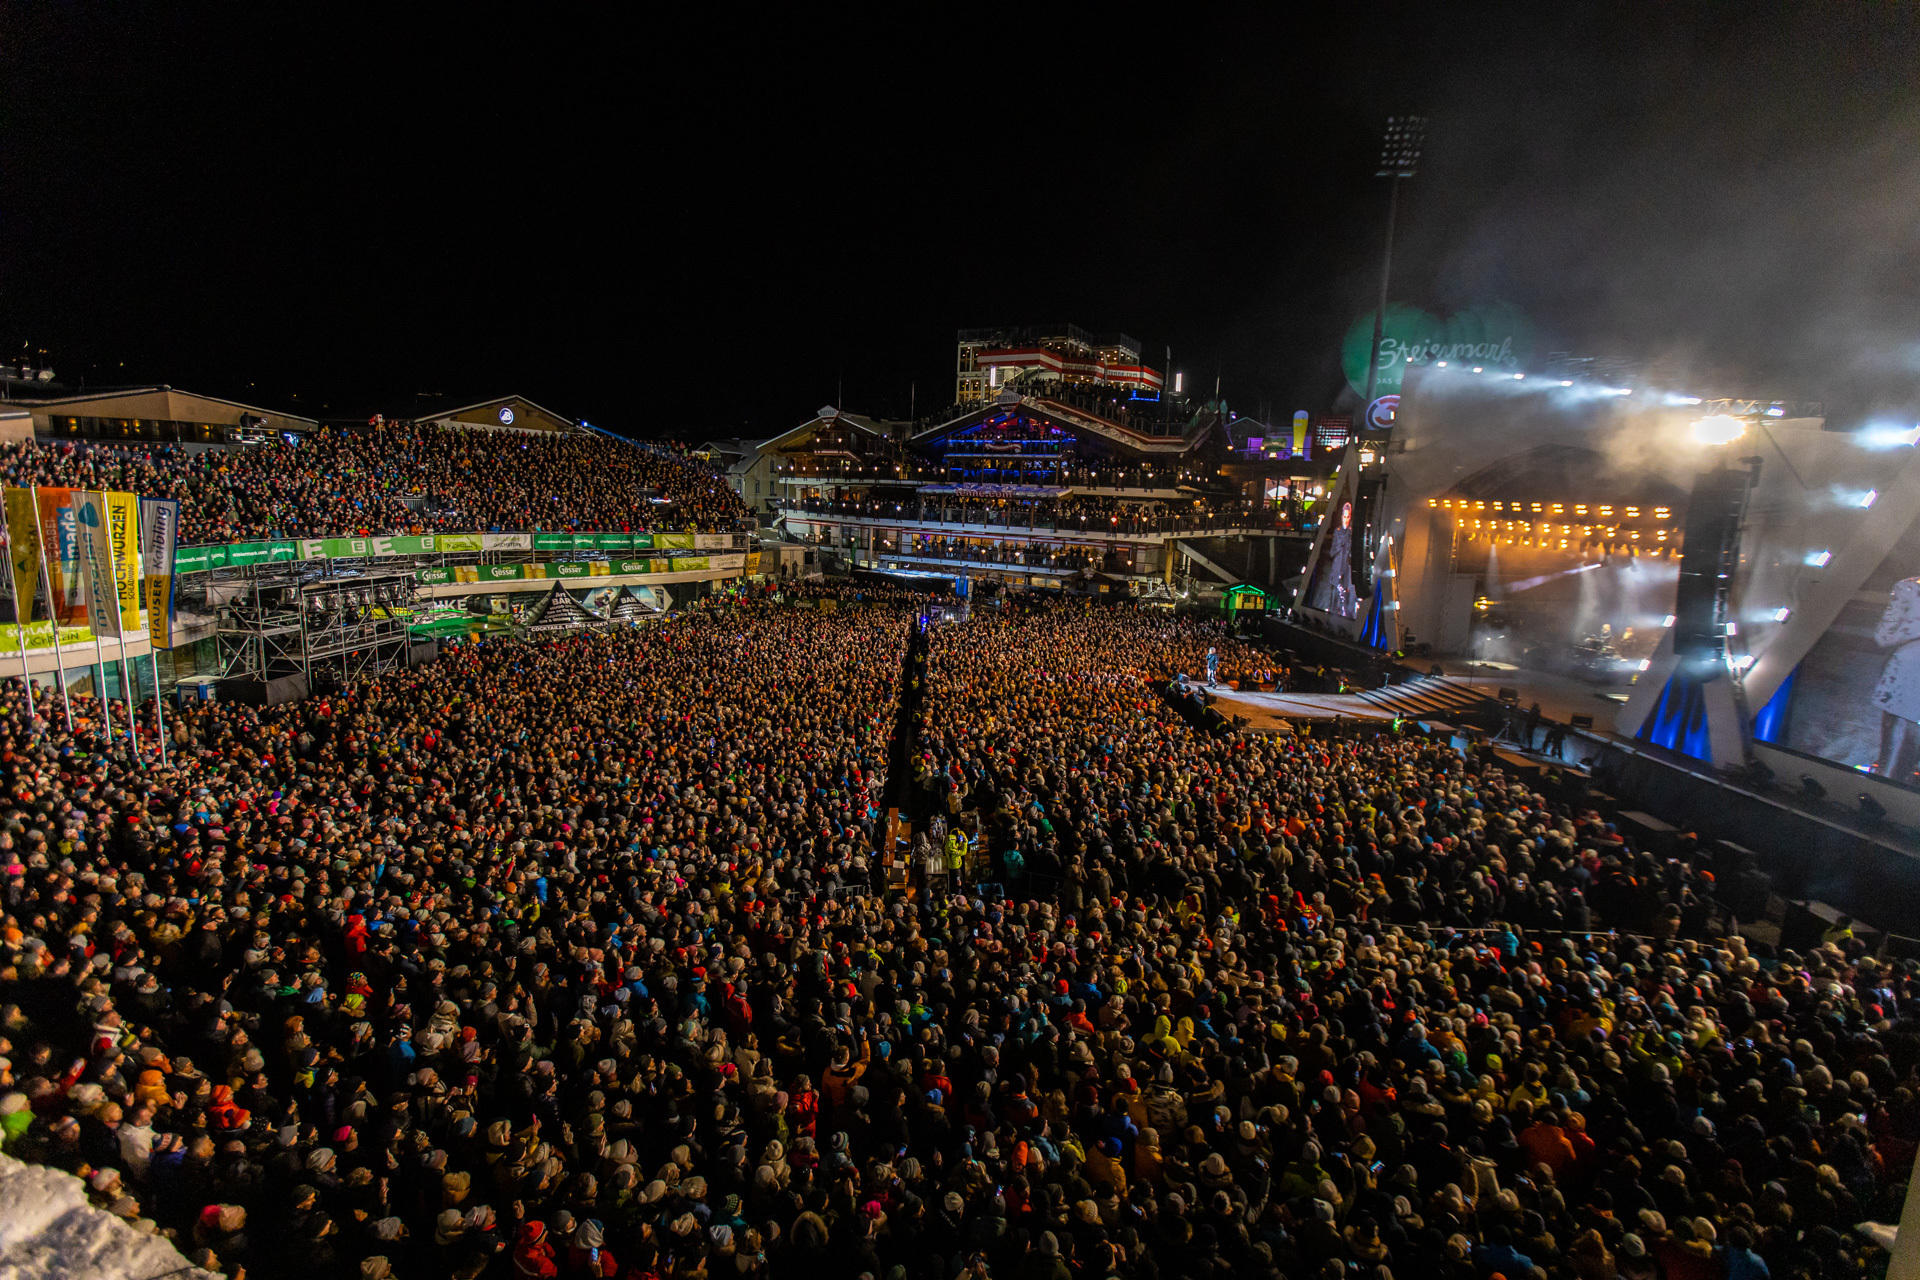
(506, 415)
(1496, 338)
(1381, 412)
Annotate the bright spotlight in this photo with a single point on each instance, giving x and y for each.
(1885, 436)
(1782, 614)
(1867, 498)
(1566, 382)
(1719, 429)
(1818, 559)
(1441, 363)
(1518, 376)
(1476, 368)
(1667, 621)
(1645, 663)
(1683, 399)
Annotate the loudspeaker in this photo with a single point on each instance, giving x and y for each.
(1712, 550)
(263, 693)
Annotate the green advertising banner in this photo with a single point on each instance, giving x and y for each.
(684, 564)
(573, 570)
(502, 572)
(1496, 338)
(435, 577)
(238, 555)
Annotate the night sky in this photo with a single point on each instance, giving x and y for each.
(708, 226)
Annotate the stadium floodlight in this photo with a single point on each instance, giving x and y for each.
(1400, 152)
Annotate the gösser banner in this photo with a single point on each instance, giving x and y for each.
(239, 555)
(440, 575)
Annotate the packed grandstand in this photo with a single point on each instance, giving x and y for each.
(394, 479)
(595, 956)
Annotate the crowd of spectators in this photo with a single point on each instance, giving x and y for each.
(1068, 513)
(580, 958)
(395, 478)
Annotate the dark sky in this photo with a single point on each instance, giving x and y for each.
(705, 225)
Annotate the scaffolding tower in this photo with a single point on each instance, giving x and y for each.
(340, 622)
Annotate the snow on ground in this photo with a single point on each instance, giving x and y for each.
(48, 1231)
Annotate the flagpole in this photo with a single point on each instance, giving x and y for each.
(159, 702)
(53, 609)
(20, 620)
(119, 626)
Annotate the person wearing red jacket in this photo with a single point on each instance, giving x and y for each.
(532, 1255)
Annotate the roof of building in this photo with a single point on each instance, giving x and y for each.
(155, 400)
(486, 414)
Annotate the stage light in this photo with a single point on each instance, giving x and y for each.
(1645, 664)
(1566, 382)
(1867, 498)
(1776, 412)
(1683, 399)
(1733, 628)
(1476, 368)
(1782, 614)
(1440, 364)
(1742, 662)
(1667, 621)
(1518, 376)
(1887, 436)
(1719, 429)
(1818, 559)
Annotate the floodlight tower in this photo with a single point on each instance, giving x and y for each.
(1399, 158)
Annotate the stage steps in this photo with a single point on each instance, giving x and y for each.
(1425, 696)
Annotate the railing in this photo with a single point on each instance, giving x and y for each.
(1032, 522)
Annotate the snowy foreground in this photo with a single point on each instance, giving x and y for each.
(47, 1229)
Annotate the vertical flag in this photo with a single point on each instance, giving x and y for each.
(62, 548)
(159, 530)
(123, 528)
(23, 550)
(94, 555)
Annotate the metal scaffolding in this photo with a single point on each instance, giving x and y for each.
(299, 620)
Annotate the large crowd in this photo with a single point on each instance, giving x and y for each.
(589, 958)
(395, 478)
